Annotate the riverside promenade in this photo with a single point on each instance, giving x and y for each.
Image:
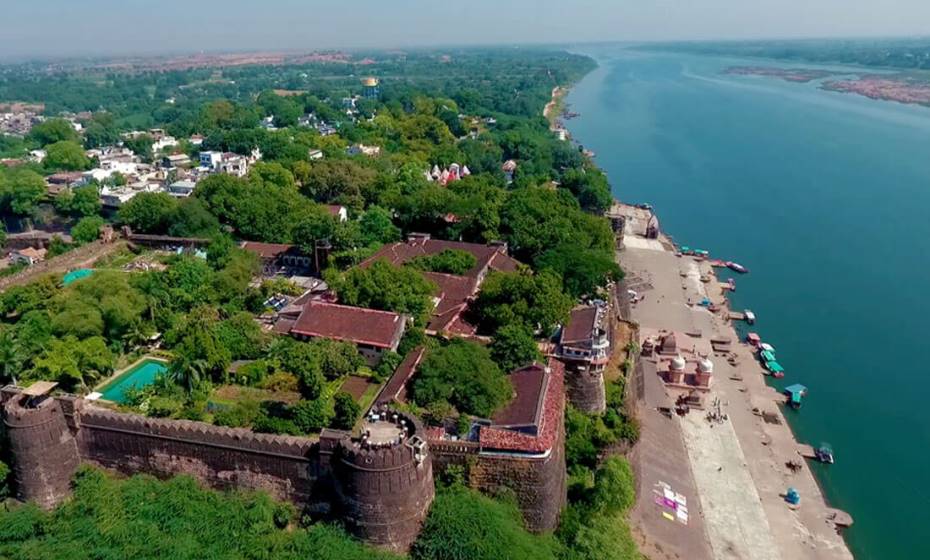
(728, 476)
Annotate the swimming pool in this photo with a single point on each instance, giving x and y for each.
(76, 275)
(139, 375)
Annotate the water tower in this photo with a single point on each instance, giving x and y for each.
(370, 87)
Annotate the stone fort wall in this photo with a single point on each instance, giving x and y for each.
(383, 495)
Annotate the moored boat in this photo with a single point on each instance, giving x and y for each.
(737, 267)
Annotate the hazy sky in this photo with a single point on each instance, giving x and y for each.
(77, 27)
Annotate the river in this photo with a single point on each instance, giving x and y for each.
(825, 197)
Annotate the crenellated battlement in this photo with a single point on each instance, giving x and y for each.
(186, 431)
(379, 481)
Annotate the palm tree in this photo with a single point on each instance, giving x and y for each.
(188, 373)
(11, 356)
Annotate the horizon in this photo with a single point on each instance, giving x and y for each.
(101, 28)
(50, 58)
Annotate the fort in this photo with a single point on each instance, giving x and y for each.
(377, 480)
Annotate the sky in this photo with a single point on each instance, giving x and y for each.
(43, 28)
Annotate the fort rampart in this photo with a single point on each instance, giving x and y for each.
(382, 492)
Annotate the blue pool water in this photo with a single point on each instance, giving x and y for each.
(140, 375)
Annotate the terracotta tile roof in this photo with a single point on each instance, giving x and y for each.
(395, 390)
(487, 256)
(524, 409)
(267, 250)
(382, 329)
(550, 415)
(454, 294)
(580, 326)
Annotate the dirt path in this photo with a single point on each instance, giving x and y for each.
(81, 257)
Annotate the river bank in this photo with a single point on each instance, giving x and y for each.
(731, 474)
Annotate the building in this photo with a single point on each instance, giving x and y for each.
(314, 153)
(380, 483)
(279, 258)
(456, 292)
(182, 189)
(28, 256)
(211, 159)
(370, 87)
(337, 211)
(176, 160)
(584, 346)
(362, 149)
(372, 331)
(234, 164)
(520, 450)
(492, 256)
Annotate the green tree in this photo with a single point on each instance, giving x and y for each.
(87, 229)
(141, 145)
(148, 212)
(300, 359)
(513, 346)
(65, 156)
(242, 336)
(465, 524)
(85, 201)
(387, 287)
(377, 227)
(22, 190)
(347, 411)
(313, 415)
(582, 270)
(337, 359)
(192, 218)
(462, 374)
(448, 261)
(535, 301)
(52, 131)
(12, 356)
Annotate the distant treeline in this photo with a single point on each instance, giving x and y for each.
(911, 54)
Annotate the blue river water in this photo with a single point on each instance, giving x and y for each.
(825, 197)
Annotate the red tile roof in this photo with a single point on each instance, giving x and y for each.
(395, 390)
(267, 250)
(580, 326)
(487, 256)
(550, 415)
(454, 294)
(526, 406)
(382, 329)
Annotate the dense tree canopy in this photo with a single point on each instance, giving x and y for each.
(533, 301)
(387, 287)
(463, 375)
(144, 518)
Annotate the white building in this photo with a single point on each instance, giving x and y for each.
(182, 189)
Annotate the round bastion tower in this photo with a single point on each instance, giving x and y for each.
(44, 454)
(384, 480)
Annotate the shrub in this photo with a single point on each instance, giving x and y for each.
(464, 524)
(164, 407)
(240, 415)
(463, 375)
(312, 415)
(346, 411)
(279, 381)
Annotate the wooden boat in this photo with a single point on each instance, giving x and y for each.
(737, 267)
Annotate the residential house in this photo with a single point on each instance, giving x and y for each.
(456, 292)
(314, 153)
(28, 256)
(182, 189)
(357, 149)
(175, 161)
(277, 258)
(372, 331)
(337, 211)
